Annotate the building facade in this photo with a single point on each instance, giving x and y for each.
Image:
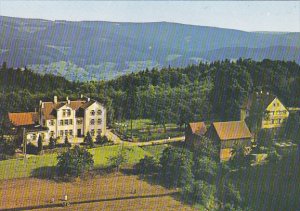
(73, 118)
(60, 119)
(275, 113)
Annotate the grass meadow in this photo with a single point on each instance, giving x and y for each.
(18, 168)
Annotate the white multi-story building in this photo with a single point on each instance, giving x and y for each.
(73, 118)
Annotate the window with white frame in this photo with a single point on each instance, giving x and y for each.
(66, 121)
(99, 121)
(92, 112)
(99, 112)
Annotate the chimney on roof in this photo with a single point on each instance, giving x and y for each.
(42, 105)
(81, 95)
(88, 99)
(261, 91)
(55, 99)
(67, 98)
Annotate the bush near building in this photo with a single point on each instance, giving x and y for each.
(74, 162)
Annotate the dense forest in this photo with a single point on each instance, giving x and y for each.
(207, 91)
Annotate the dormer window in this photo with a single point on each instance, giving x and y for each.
(99, 112)
(92, 112)
(66, 112)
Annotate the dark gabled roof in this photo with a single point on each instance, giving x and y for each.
(232, 130)
(87, 104)
(50, 108)
(198, 128)
(265, 98)
(23, 119)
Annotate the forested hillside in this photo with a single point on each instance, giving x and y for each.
(94, 50)
(178, 95)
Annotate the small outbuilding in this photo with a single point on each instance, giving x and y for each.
(193, 133)
(228, 135)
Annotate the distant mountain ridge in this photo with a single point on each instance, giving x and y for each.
(93, 50)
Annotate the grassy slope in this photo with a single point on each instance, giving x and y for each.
(156, 150)
(17, 168)
(273, 187)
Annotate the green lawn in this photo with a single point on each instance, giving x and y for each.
(271, 187)
(146, 130)
(156, 150)
(17, 168)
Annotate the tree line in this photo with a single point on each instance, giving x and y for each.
(207, 91)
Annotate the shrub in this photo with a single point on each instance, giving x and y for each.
(239, 157)
(200, 192)
(40, 144)
(102, 140)
(89, 140)
(7, 147)
(52, 143)
(176, 167)
(74, 162)
(67, 143)
(205, 169)
(206, 147)
(105, 139)
(147, 165)
(265, 138)
(99, 139)
(119, 159)
(231, 195)
(31, 149)
(273, 156)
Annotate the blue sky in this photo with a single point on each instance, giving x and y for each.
(243, 15)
